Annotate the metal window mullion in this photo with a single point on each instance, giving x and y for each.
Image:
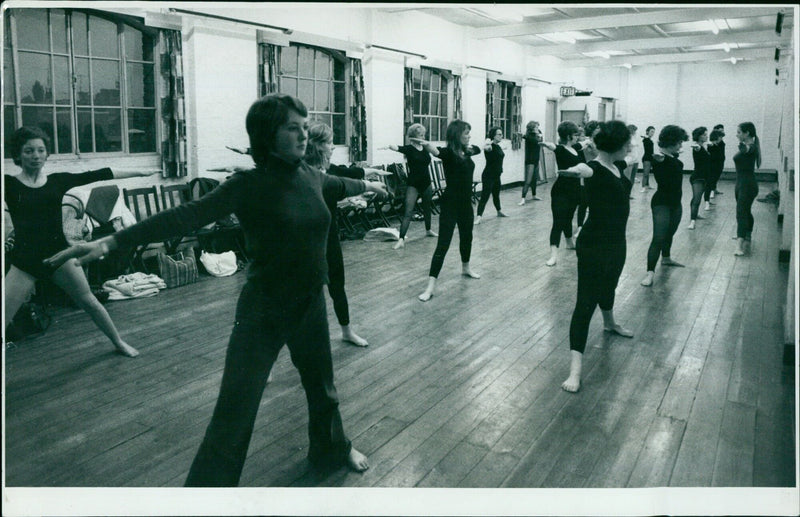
(73, 108)
(91, 80)
(15, 64)
(123, 86)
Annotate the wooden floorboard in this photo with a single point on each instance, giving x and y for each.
(462, 391)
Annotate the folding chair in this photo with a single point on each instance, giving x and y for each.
(171, 197)
(143, 203)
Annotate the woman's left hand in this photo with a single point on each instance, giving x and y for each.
(376, 187)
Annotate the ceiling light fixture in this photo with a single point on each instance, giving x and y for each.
(733, 60)
(627, 65)
(713, 26)
(726, 47)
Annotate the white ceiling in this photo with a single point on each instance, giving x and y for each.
(628, 35)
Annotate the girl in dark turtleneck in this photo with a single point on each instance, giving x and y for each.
(281, 207)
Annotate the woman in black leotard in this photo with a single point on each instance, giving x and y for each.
(533, 139)
(565, 194)
(318, 154)
(701, 174)
(33, 199)
(647, 157)
(746, 161)
(588, 153)
(490, 179)
(419, 180)
(666, 202)
(456, 201)
(601, 246)
(718, 154)
(281, 206)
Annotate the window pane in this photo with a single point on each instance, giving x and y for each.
(425, 107)
(35, 86)
(338, 70)
(442, 128)
(434, 81)
(322, 65)
(426, 79)
(339, 130)
(426, 121)
(417, 96)
(9, 126)
(288, 60)
(443, 105)
(41, 117)
(289, 86)
(322, 96)
(64, 130)
(138, 46)
(338, 98)
(416, 78)
(32, 30)
(443, 87)
(305, 62)
(62, 79)
(305, 92)
(8, 77)
(142, 131)
(434, 103)
(103, 34)
(85, 137)
(80, 40)
(105, 83)
(108, 130)
(82, 84)
(434, 136)
(58, 27)
(141, 86)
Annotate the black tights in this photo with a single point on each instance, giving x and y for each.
(411, 202)
(698, 187)
(665, 223)
(336, 277)
(583, 205)
(490, 185)
(598, 274)
(531, 178)
(746, 192)
(454, 212)
(563, 208)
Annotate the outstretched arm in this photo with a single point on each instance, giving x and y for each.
(578, 171)
(426, 145)
(390, 147)
(124, 172)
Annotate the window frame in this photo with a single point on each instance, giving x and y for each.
(445, 100)
(506, 110)
(334, 56)
(16, 105)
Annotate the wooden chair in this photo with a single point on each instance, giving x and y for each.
(217, 236)
(171, 197)
(143, 203)
(436, 171)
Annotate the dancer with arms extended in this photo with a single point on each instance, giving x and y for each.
(601, 245)
(701, 174)
(33, 199)
(533, 138)
(281, 207)
(746, 161)
(490, 179)
(565, 194)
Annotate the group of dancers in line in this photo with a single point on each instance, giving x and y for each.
(284, 205)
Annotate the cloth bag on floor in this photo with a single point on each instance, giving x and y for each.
(219, 264)
(177, 270)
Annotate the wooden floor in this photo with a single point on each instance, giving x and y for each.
(462, 391)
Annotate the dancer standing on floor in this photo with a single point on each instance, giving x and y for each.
(33, 199)
(716, 148)
(587, 152)
(565, 194)
(281, 206)
(647, 157)
(636, 153)
(601, 246)
(746, 161)
(701, 173)
(490, 179)
(533, 138)
(666, 202)
(418, 157)
(456, 202)
(318, 154)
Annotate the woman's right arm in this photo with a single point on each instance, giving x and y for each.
(578, 171)
(390, 147)
(427, 146)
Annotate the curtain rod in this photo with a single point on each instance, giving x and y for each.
(369, 45)
(537, 79)
(236, 20)
(485, 69)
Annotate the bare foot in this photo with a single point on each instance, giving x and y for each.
(551, 262)
(738, 253)
(126, 349)
(521, 203)
(357, 461)
(399, 244)
(477, 220)
(617, 329)
(431, 233)
(572, 384)
(648, 279)
(352, 337)
(424, 297)
(470, 274)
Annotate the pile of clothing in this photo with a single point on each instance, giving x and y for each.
(135, 285)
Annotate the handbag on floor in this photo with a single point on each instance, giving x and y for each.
(219, 264)
(177, 270)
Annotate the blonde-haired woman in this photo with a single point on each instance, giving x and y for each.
(418, 156)
(318, 154)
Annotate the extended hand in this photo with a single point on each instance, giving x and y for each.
(85, 252)
(377, 187)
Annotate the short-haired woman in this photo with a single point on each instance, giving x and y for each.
(666, 202)
(746, 160)
(601, 245)
(647, 157)
(456, 202)
(701, 173)
(533, 139)
(490, 178)
(565, 194)
(418, 157)
(281, 206)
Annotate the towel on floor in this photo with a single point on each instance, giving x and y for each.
(135, 285)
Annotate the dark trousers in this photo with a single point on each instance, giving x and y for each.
(262, 326)
(490, 185)
(746, 192)
(563, 208)
(665, 223)
(583, 205)
(336, 277)
(531, 178)
(598, 273)
(411, 202)
(698, 187)
(714, 175)
(454, 213)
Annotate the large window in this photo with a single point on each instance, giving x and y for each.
(88, 81)
(499, 109)
(316, 77)
(430, 101)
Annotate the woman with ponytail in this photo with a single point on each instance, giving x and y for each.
(746, 161)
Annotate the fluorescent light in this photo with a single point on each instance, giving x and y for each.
(726, 47)
(604, 55)
(627, 65)
(733, 60)
(713, 26)
(558, 37)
